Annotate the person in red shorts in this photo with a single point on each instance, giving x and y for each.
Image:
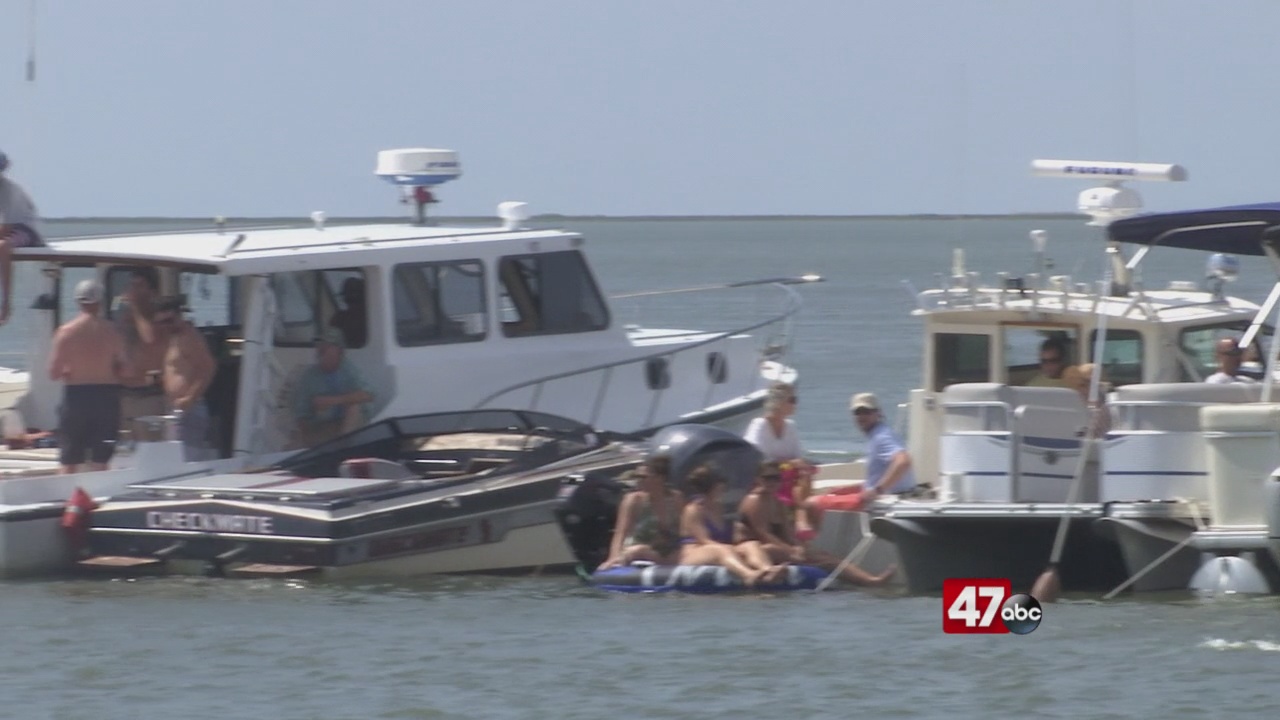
(888, 464)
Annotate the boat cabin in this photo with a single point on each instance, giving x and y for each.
(392, 291)
(992, 402)
(433, 318)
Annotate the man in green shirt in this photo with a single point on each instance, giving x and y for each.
(331, 398)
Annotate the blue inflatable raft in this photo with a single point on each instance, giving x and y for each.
(642, 578)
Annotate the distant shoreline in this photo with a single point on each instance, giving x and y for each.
(560, 218)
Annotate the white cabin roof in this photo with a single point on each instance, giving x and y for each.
(276, 248)
(990, 305)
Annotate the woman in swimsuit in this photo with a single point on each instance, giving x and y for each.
(648, 519)
(707, 536)
(763, 521)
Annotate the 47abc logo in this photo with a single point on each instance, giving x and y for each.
(988, 606)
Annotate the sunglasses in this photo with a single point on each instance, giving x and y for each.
(863, 411)
(771, 478)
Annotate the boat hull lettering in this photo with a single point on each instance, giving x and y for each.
(434, 540)
(210, 522)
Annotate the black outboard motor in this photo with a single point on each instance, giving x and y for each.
(588, 515)
(726, 452)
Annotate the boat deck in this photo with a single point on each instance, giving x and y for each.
(31, 462)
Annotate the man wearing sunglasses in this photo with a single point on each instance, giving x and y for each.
(1053, 360)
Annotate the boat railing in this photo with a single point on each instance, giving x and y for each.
(773, 347)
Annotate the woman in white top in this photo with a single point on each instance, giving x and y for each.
(774, 435)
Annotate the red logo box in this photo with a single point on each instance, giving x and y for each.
(972, 605)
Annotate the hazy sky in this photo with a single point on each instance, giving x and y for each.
(660, 107)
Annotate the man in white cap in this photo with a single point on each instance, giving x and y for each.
(888, 463)
(18, 221)
(88, 357)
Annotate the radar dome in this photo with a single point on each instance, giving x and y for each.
(418, 167)
(1223, 266)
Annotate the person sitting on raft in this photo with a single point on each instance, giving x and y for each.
(707, 535)
(648, 519)
(763, 520)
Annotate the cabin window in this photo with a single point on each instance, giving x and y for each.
(311, 301)
(717, 367)
(1121, 357)
(960, 358)
(211, 298)
(1197, 346)
(1037, 355)
(549, 293)
(657, 373)
(440, 302)
(119, 277)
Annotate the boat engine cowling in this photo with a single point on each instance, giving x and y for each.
(691, 445)
(587, 516)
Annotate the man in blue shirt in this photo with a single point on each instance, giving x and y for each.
(888, 463)
(331, 398)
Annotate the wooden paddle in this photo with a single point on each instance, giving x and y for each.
(1048, 586)
(855, 554)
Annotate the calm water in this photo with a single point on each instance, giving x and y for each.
(548, 647)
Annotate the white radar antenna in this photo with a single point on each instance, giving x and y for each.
(1112, 201)
(415, 171)
(1104, 204)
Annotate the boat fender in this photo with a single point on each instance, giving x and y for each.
(75, 517)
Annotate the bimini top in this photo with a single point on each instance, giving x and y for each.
(1237, 229)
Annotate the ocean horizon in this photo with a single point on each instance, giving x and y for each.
(559, 217)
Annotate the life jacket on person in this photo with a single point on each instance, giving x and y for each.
(75, 517)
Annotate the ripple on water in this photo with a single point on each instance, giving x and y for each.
(520, 647)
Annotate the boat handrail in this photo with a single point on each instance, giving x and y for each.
(792, 305)
(230, 231)
(1174, 403)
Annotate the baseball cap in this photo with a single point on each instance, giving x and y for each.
(864, 400)
(88, 292)
(333, 336)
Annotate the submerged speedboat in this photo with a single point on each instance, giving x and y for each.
(1004, 459)
(448, 319)
(438, 493)
(478, 491)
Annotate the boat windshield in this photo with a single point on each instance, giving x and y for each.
(452, 443)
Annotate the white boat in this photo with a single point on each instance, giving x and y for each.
(456, 318)
(1002, 458)
(1235, 546)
